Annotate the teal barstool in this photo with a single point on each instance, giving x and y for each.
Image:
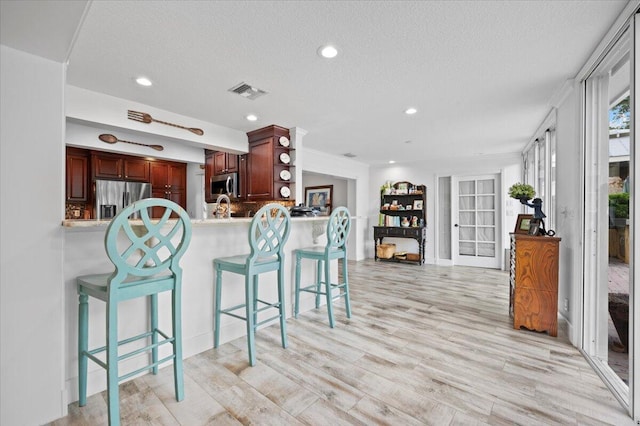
(268, 232)
(146, 254)
(336, 248)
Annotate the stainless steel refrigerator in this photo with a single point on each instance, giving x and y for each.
(114, 195)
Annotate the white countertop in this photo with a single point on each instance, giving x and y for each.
(93, 223)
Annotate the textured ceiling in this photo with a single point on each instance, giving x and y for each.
(480, 73)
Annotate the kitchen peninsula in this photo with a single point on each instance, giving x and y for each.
(211, 238)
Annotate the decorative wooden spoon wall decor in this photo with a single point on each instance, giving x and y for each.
(105, 137)
(143, 117)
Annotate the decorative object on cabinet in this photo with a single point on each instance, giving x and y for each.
(319, 198)
(522, 223)
(143, 117)
(267, 159)
(402, 215)
(521, 191)
(533, 282)
(105, 137)
(145, 265)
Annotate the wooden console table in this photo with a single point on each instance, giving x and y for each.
(533, 282)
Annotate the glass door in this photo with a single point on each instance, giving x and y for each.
(607, 340)
(475, 233)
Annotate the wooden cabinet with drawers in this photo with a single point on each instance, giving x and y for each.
(533, 282)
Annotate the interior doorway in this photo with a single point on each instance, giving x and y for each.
(475, 214)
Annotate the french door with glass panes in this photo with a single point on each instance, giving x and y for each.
(475, 216)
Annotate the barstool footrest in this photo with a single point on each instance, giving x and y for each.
(91, 354)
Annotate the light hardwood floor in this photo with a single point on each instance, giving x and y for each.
(426, 345)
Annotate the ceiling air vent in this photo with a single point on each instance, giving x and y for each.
(247, 91)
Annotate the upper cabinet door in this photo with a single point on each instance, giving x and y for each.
(260, 170)
(137, 169)
(107, 166)
(77, 177)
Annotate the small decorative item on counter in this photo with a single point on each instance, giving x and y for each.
(385, 206)
(405, 222)
(414, 221)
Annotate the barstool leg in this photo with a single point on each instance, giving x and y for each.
(248, 284)
(113, 395)
(176, 310)
(281, 306)
(255, 301)
(296, 307)
(327, 283)
(318, 282)
(83, 346)
(154, 330)
(216, 328)
(347, 299)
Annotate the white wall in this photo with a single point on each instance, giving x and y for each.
(31, 273)
(569, 209)
(86, 136)
(91, 107)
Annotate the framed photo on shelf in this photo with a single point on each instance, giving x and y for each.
(522, 223)
(319, 198)
(418, 204)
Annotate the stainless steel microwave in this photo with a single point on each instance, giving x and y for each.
(224, 184)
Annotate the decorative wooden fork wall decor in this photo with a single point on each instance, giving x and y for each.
(143, 117)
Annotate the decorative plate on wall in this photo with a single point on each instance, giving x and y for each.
(285, 191)
(285, 175)
(284, 141)
(284, 157)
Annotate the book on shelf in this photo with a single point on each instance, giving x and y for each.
(388, 220)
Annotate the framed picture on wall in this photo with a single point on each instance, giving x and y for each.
(319, 198)
(522, 223)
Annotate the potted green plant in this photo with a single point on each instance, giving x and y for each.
(522, 191)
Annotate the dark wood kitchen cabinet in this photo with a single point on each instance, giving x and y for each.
(77, 174)
(169, 180)
(119, 167)
(270, 174)
(224, 162)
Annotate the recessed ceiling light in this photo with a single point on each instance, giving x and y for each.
(410, 111)
(252, 117)
(392, 161)
(328, 51)
(407, 141)
(143, 81)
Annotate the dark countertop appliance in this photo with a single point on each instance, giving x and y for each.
(302, 210)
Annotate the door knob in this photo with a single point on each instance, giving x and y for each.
(456, 225)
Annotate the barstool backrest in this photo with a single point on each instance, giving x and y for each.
(269, 231)
(151, 246)
(338, 228)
